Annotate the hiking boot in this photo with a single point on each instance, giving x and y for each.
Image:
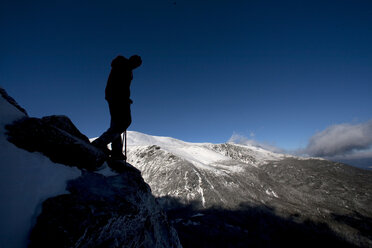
(102, 147)
(118, 156)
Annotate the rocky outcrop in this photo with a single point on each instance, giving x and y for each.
(103, 208)
(114, 211)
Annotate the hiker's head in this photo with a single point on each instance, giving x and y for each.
(120, 61)
(135, 61)
(123, 63)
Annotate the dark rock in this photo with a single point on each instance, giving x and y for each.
(57, 138)
(120, 166)
(64, 123)
(11, 100)
(116, 211)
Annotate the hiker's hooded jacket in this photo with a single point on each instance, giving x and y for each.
(118, 84)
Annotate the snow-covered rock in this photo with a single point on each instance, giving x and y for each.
(57, 138)
(26, 180)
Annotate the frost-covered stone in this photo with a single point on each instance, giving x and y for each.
(115, 211)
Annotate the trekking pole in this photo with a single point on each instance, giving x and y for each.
(125, 152)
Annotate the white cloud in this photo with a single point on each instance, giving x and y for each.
(341, 140)
(347, 143)
(242, 140)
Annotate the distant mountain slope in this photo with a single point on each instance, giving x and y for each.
(229, 175)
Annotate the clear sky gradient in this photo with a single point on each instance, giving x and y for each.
(273, 71)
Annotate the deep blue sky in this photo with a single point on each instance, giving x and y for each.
(281, 70)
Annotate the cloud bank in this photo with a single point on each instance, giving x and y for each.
(342, 140)
(347, 143)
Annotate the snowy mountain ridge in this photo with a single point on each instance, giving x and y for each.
(205, 155)
(206, 176)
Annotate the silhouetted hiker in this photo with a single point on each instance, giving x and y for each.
(117, 94)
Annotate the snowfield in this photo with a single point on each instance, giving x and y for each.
(26, 180)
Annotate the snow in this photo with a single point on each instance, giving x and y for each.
(200, 188)
(201, 155)
(262, 155)
(140, 139)
(8, 113)
(270, 192)
(197, 215)
(106, 171)
(26, 180)
(198, 154)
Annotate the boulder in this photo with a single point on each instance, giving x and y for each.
(57, 138)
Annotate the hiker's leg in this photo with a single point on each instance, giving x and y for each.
(117, 146)
(115, 129)
(122, 119)
(117, 124)
(107, 137)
